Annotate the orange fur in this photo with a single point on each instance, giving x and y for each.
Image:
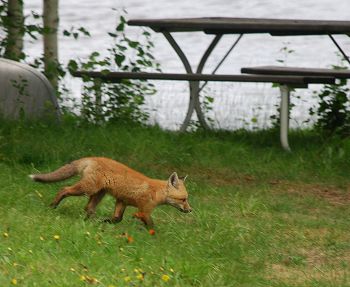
(103, 175)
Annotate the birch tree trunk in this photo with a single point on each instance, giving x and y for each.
(15, 30)
(50, 41)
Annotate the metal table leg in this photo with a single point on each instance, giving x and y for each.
(195, 85)
(223, 59)
(194, 103)
(284, 116)
(339, 48)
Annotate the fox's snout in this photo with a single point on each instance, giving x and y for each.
(185, 207)
(187, 210)
(182, 206)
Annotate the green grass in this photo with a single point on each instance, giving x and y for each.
(262, 217)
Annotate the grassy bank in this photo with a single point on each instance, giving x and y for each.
(262, 217)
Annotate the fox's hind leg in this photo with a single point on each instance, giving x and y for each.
(74, 190)
(118, 212)
(82, 187)
(94, 200)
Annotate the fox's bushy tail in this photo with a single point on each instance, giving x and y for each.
(62, 173)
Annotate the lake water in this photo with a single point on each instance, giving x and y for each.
(236, 105)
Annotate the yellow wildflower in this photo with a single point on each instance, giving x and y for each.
(165, 278)
(82, 278)
(56, 237)
(91, 280)
(41, 238)
(127, 279)
(6, 234)
(139, 276)
(14, 281)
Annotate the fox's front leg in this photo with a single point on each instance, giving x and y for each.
(118, 212)
(145, 216)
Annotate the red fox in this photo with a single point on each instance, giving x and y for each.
(103, 175)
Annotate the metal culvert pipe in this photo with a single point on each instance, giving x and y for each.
(26, 92)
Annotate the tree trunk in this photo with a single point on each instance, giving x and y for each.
(15, 30)
(50, 41)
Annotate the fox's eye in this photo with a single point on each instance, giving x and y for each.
(184, 200)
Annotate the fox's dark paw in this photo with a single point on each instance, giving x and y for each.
(112, 220)
(107, 220)
(90, 215)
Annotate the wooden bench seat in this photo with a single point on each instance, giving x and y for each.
(297, 71)
(287, 80)
(285, 92)
(286, 83)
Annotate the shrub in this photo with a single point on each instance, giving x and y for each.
(122, 101)
(333, 110)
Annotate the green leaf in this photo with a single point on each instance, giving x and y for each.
(72, 66)
(133, 44)
(66, 33)
(84, 31)
(112, 34)
(120, 27)
(210, 99)
(122, 19)
(94, 54)
(119, 59)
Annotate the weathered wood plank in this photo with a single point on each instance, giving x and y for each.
(118, 76)
(224, 25)
(296, 71)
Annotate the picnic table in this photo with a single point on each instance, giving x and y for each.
(218, 26)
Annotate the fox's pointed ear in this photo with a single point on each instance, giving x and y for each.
(174, 180)
(183, 178)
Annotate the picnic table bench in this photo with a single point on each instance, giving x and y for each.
(219, 26)
(297, 71)
(294, 81)
(287, 83)
(285, 91)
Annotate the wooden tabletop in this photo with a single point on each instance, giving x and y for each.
(223, 25)
(297, 71)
